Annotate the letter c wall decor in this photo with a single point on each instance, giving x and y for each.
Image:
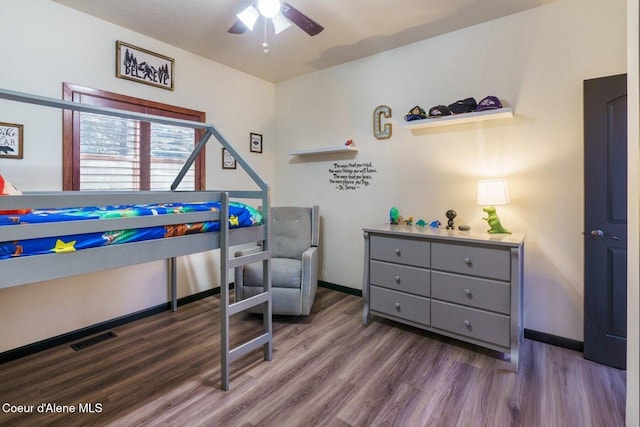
(378, 131)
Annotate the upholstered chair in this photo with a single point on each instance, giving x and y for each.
(294, 262)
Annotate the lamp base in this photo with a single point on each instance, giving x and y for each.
(495, 227)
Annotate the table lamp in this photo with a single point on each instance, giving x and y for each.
(490, 193)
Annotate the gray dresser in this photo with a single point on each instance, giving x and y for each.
(463, 285)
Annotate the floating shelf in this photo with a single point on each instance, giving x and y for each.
(325, 150)
(455, 119)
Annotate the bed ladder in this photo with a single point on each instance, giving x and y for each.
(265, 339)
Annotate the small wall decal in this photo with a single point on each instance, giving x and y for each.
(351, 175)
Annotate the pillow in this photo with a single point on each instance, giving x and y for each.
(7, 189)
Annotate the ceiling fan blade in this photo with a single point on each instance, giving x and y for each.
(307, 24)
(237, 28)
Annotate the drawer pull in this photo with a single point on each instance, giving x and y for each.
(467, 292)
(467, 261)
(397, 278)
(467, 323)
(397, 251)
(397, 305)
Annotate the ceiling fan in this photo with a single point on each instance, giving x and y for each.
(281, 15)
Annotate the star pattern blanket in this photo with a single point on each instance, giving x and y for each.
(240, 215)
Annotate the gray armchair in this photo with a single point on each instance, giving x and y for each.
(294, 262)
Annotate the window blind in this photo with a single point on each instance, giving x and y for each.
(111, 150)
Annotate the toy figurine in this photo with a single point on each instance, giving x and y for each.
(451, 214)
(421, 223)
(408, 221)
(435, 224)
(349, 143)
(394, 215)
(495, 227)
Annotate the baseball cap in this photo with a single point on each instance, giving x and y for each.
(463, 106)
(439, 110)
(489, 103)
(416, 113)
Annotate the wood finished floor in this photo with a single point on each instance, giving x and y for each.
(327, 370)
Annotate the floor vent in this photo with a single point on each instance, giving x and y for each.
(93, 340)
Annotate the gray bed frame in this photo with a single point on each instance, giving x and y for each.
(22, 270)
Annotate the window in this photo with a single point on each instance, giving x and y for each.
(110, 153)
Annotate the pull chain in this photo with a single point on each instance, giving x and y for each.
(265, 45)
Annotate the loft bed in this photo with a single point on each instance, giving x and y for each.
(224, 232)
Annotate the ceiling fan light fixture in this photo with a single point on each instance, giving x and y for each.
(269, 8)
(249, 16)
(280, 23)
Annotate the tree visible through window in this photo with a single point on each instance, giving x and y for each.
(111, 153)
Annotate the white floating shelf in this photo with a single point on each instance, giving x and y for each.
(325, 150)
(455, 119)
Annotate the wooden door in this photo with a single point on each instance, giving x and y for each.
(605, 234)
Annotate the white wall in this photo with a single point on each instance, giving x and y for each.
(47, 44)
(536, 61)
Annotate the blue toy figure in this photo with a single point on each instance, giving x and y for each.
(435, 224)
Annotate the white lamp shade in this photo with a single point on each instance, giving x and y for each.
(280, 23)
(249, 16)
(493, 192)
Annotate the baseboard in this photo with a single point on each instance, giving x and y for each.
(109, 324)
(340, 288)
(554, 340)
(99, 327)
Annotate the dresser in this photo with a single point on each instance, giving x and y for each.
(465, 285)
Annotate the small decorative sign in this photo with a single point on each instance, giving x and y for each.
(255, 143)
(378, 131)
(351, 175)
(228, 162)
(143, 66)
(11, 140)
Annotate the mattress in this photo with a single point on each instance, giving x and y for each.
(240, 215)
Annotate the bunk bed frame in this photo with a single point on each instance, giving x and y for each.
(23, 270)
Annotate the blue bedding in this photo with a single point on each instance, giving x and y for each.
(240, 215)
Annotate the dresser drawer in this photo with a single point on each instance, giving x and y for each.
(476, 324)
(408, 307)
(403, 251)
(471, 291)
(483, 262)
(400, 277)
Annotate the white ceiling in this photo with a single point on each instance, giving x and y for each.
(353, 28)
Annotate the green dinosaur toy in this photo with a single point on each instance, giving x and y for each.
(394, 215)
(495, 227)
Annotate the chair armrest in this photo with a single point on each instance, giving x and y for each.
(238, 271)
(247, 251)
(309, 278)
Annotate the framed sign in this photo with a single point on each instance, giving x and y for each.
(255, 143)
(11, 140)
(143, 66)
(228, 162)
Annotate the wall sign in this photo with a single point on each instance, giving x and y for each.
(10, 140)
(255, 142)
(228, 161)
(378, 131)
(143, 66)
(351, 175)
